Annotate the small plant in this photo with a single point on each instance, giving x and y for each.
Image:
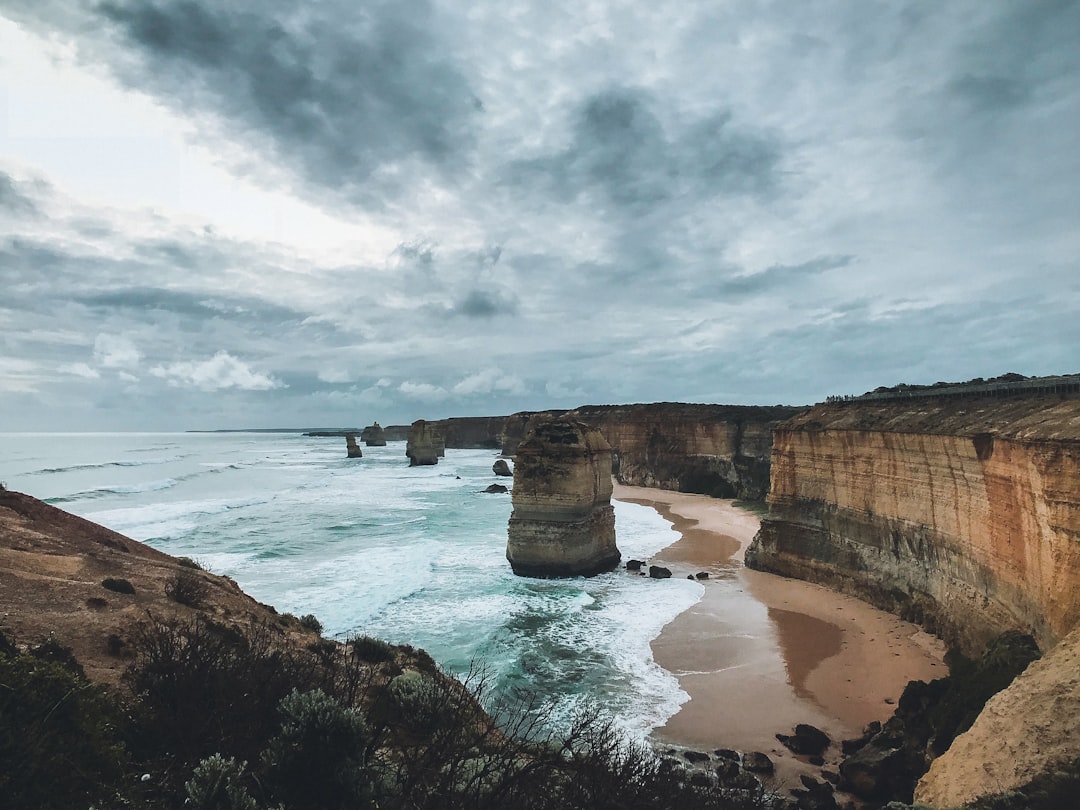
(188, 562)
(371, 650)
(187, 588)
(309, 621)
(117, 585)
(216, 785)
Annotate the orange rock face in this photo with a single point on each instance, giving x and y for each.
(563, 523)
(964, 515)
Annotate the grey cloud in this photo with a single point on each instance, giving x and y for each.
(781, 276)
(485, 304)
(621, 148)
(12, 197)
(990, 92)
(339, 96)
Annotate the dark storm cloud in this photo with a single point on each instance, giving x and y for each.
(485, 304)
(340, 97)
(622, 149)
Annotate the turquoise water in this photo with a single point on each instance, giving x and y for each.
(411, 555)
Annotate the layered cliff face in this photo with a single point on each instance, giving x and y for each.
(425, 444)
(563, 523)
(352, 449)
(961, 514)
(718, 450)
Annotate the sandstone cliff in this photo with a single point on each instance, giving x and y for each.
(425, 444)
(563, 523)
(962, 514)
(718, 450)
(1023, 730)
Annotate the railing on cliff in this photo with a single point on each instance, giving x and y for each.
(1063, 384)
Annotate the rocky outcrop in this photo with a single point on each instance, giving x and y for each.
(1026, 729)
(352, 449)
(500, 467)
(562, 523)
(373, 436)
(963, 514)
(425, 444)
(718, 450)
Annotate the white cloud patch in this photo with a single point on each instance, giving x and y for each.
(489, 381)
(116, 351)
(425, 392)
(335, 376)
(79, 370)
(220, 372)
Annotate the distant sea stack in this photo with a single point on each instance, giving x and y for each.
(373, 436)
(425, 444)
(563, 524)
(351, 447)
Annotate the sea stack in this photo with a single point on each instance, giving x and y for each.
(425, 444)
(351, 447)
(562, 524)
(373, 436)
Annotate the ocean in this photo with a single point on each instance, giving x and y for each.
(372, 546)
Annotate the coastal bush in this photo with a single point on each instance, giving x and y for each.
(217, 784)
(117, 585)
(187, 588)
(317, 760)
(60, 741)
(309, 621)
(188, 562)
(372, 650)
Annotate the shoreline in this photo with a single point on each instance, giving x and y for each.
(759, 653)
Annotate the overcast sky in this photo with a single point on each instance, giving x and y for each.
(263, 213)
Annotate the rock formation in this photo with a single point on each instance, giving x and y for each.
(718, 450)
(373, 436)
(351, 447)
(500, 467)
(961, 514)
(562, 523)
(425, 444)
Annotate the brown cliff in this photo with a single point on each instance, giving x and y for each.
(563, 523)
(54, 567)
(962, 514)
(718, 450)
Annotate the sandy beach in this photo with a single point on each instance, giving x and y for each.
(759, 653)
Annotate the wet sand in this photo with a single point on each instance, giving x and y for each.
(759, 653)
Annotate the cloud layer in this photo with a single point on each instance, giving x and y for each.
(531, 205)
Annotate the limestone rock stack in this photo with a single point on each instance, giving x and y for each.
(351, 447)
(373, 436)
(563, 523)
(425, 444)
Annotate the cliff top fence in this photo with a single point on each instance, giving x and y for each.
(1063, 384)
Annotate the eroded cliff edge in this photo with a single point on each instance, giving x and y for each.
(962, 514)
(717, 450)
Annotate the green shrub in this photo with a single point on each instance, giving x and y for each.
(117, 585)
(309, 621)
(217, 784)
(371, 650)
(188, 562)
(187, 588)
(59, 737)
(317, 759)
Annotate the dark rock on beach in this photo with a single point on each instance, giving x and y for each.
(807, 740)
(659, 572)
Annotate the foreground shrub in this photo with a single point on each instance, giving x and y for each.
(117, 585)
(59, 736)
(216, 785)
(317, 761)
(309, 621)
(372, 650)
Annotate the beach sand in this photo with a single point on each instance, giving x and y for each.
(759, 653)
